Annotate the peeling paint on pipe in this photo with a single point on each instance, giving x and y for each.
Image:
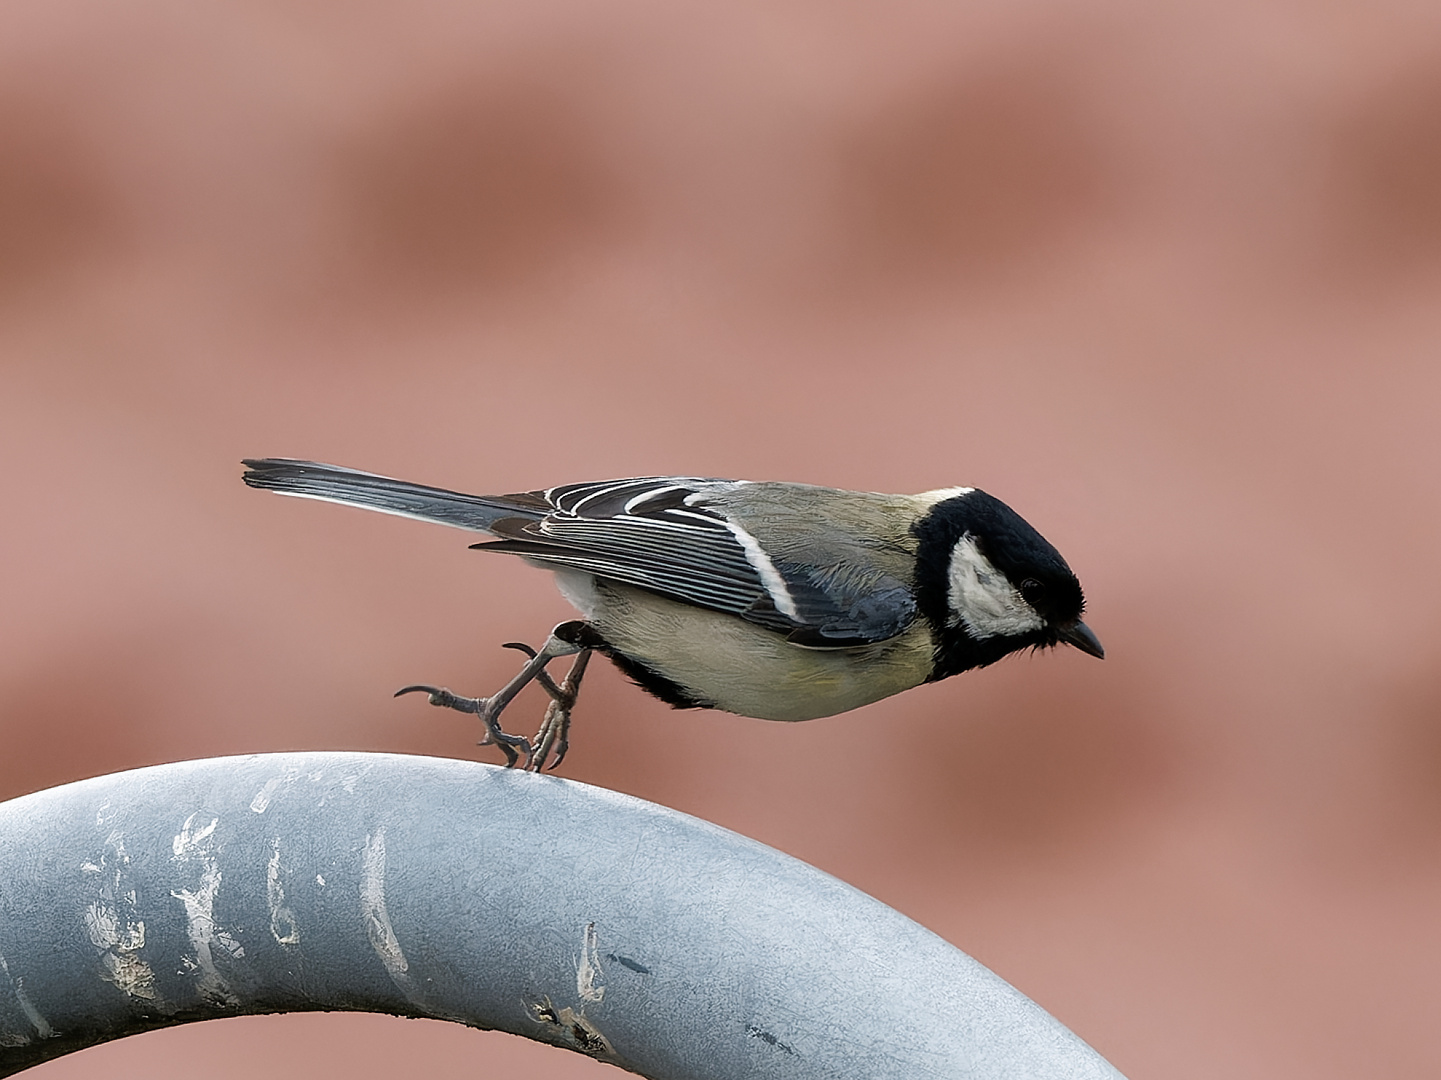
(427, 887)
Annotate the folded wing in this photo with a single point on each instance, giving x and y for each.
(657, 533)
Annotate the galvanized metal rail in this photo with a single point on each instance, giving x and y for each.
(494, 898)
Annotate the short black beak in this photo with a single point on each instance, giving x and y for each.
(1079, 635)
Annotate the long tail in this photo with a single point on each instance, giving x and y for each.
(313, 480)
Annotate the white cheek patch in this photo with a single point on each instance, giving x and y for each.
(982, 599)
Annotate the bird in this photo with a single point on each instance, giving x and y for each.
(779, 601)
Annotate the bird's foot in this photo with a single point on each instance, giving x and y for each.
(553, 736)
(554, 733)
(488, 709)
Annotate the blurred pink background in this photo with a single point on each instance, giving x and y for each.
(1165, 278)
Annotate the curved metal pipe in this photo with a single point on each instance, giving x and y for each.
(499, 899)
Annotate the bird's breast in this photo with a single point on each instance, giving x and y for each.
(726, 663)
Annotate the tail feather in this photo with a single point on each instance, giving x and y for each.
(332, 483)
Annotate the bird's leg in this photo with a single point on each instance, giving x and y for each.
(489, 709)
(554, 730)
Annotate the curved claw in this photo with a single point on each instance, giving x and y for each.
(521, 647)
(488, 709)
(446, 699)
(510, 745)
(561, 746)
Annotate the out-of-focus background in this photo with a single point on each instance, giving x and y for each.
(1165, 278)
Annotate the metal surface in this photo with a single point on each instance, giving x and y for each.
(450, 889)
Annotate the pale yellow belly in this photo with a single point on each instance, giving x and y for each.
(747, 670)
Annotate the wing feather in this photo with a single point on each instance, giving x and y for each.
(660, 534)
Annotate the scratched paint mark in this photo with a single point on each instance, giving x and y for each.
(582, 1033)
(190, 837)
(377, 919)
(112, 919)
(755, 1031)
(574, 1028)
(120, 939)
(266, 795)
(588, 974)
(37, 1021)
(283, 926)
(261, 802)
(193, 846)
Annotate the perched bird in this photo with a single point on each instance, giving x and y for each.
(772, 600)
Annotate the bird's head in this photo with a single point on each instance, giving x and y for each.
(990, 585)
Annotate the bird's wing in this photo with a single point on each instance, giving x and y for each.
(657, 533)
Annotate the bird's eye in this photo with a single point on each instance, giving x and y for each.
(1032, 589)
